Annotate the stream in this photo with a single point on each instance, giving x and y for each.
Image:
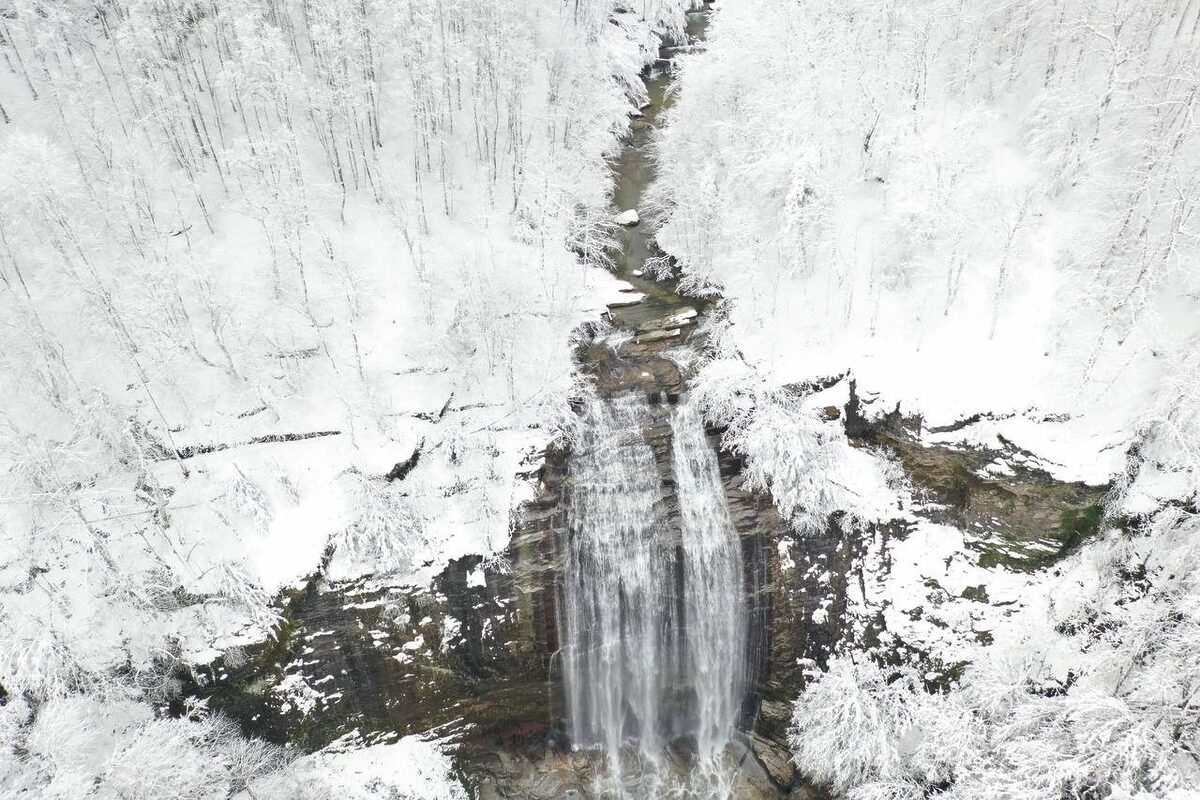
(617, 647)
(653, 615)
(652, 619)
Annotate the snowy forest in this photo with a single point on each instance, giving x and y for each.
(985, 213)
(600, 399)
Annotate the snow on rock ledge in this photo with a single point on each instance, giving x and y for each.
(412, 768)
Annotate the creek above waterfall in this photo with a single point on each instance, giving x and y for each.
(653, 616)
(617, 646)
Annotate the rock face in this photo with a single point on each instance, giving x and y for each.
(1023, 517)
(478, 660)
(379, 661)
(1018, 519)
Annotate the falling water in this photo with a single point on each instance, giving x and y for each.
(714, 602)
(621, 649)
(654, 615)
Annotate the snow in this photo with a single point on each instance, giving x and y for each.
(297, 693)
(443, 328)
(476, 577)
(1080, 448)
(942, 266)
(236, 297)
(413, 767)
(627, 299)
(934, 555)
(628, 218)
(969, 231)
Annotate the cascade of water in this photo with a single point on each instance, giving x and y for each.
(654, 617)
(621, 652)
(714, 601)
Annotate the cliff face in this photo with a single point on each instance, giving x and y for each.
(470, 656)
(475, 657)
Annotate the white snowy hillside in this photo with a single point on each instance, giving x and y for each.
(984, 215)
(600, 399)
(977, 208)
(259, 260)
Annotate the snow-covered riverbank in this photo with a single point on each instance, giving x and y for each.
(279, 281)
(984, 217)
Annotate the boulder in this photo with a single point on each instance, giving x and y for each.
(629, 299)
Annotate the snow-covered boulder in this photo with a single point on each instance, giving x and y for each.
(628, 218)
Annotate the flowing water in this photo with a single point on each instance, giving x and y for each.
(653, 616)
(654, 608)
(622, 651)
(714, 615)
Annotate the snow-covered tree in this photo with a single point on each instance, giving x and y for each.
(248, 249)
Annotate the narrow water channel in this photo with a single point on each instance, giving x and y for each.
(609, 652)
(653, 613)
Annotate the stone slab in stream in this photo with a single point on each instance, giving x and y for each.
(631, 299)
(658, 336)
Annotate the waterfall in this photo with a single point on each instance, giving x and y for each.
(621, 651)
(654, 618)
(714, 599)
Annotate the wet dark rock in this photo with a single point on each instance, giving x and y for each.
(402, 468)
(775, 759)
(480, 663)
(1021, 518)
(976, 593)
(622, 371)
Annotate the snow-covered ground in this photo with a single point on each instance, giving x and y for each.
(84, 747)
(255, 257)
(411, 768)
(997, 235)
(983, 214)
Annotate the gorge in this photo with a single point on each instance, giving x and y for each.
(613, 399)
(645, 629)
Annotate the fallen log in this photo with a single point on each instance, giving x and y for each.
(204, 449)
